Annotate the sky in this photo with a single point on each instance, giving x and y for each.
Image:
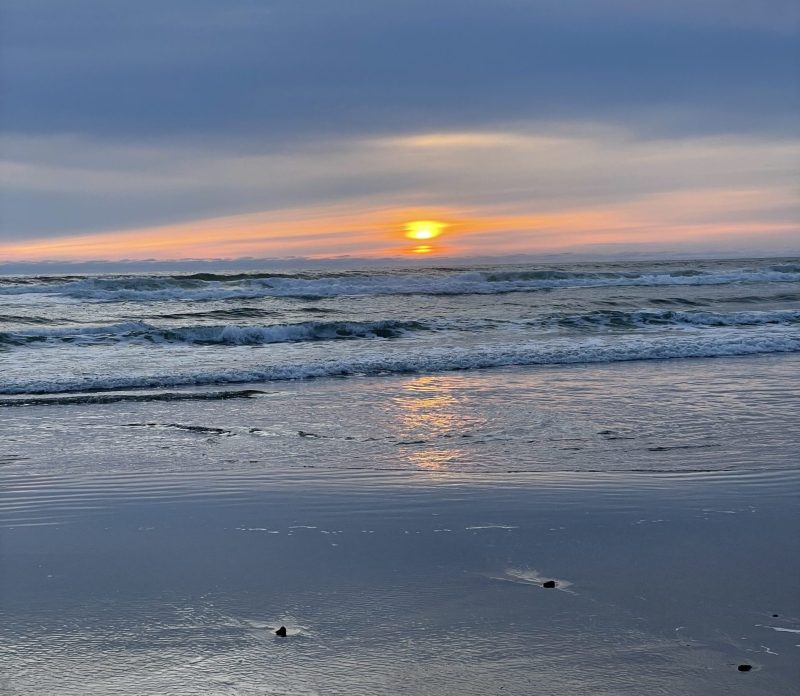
(176, 129)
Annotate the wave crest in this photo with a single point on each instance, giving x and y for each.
(557, 352)
(229, 334)
(251, 335)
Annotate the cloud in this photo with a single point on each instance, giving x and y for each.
(655, 221)
(124, 118)
(66, 185)
(279, 70)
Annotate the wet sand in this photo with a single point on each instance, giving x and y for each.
(406, 583)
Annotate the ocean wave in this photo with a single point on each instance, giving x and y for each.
(106, 398)
(207, 287)
(240, 335)
(229, 334)
(722, 343)
(28, 319)
(228, 313)
(241, 313)
(645, 318)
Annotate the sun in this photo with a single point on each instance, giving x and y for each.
(424, 229)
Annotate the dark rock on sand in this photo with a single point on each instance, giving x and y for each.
(281, 632)
(744, 668)
(774, 616)
(549, 584)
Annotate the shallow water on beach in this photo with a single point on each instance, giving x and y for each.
(689, 415)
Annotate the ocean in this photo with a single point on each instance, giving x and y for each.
(390, 463)
(71, 334)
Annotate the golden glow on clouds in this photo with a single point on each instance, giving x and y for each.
(670, 218)
(455, 140)
(485, 193)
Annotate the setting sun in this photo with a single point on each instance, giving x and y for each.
(424, 229)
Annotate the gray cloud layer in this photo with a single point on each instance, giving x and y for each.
(289, 69)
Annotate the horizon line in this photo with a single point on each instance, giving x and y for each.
(428, 261)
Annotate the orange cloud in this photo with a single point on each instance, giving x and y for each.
(668, 218)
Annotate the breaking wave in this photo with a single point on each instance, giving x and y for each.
(654, 318)
(106, 398)
(243, 335)
(725, 342)
(234, 335)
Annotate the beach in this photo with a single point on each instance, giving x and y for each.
(161, 516)
(399, 349)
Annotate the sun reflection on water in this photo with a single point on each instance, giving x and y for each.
(428, 411)
(434, 460)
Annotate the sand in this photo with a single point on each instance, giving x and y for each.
(403, 583)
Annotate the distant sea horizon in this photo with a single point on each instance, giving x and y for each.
(188, 264)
